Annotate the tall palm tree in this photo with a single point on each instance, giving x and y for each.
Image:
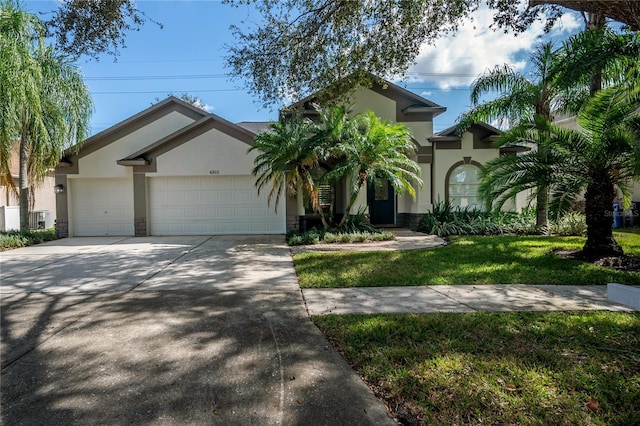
(520, 100)
(375, 149)
(288, 157)
(594, 59)
(44, 104)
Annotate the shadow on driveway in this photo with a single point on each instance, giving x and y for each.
(213, 332)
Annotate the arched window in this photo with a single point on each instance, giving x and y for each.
(464, 180)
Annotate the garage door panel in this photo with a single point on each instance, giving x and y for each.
(210, 205)
(102, 207)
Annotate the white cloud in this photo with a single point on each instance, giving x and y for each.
(474, 48)
(207, 107)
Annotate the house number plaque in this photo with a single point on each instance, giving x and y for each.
(214, 172)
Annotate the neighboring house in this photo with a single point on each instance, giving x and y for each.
(174, 169)
(44, 201)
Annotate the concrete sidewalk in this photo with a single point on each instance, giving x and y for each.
(458, 298)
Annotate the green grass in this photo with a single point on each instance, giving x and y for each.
(466, 260)
(15, 239)
(498, 368)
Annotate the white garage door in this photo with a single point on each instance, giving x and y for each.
(211, 205)
(101, 207)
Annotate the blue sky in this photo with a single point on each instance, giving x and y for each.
(186, 55)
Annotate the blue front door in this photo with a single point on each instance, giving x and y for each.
(382, 203)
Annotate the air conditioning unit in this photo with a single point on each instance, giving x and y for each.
(41, 219)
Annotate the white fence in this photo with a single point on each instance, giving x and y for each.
(10, 219)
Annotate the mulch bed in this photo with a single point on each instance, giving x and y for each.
(625, 262)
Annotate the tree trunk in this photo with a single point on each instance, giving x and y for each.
(23, 183)
(542, 210)
(362, 178)
(597, 21)
(313, 194)
(599, 216)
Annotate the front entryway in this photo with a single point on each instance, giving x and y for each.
(382, 203)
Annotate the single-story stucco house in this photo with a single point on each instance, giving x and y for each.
(174, 169)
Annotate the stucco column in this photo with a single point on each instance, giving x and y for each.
(62, 207)
(140, 203)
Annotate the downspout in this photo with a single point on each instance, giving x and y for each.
(433, 167)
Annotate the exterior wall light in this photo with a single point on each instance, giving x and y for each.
(59, 189)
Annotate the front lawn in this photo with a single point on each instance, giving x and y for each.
(466, 260)
(498, 368)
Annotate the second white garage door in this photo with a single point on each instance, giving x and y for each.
(210, 205)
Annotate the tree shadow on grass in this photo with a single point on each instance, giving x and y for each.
(515, 368)
(477, 260)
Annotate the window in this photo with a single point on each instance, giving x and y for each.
(463, 186)
(326, 193)
(381, 189)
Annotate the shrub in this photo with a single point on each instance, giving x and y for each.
(569, 224)
(313, 237)
(15, 239)
(445, 220)
(358, 222)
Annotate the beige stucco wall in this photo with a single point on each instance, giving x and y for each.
(45, 198)
(365, 99)
(385, 108)
(212, 153)
(567, 123)
(422, 202)
(444, 159)
(102, 163)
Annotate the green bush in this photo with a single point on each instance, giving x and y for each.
(569, 224)
(358, 222)
(314, 237)
(445, 220)
(15, 239)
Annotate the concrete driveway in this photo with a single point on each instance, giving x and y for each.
(168, 331)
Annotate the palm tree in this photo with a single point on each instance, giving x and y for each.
(374, 149)
(287, 160)
(504, 177)
(594, 59)
(44, 104)
(602, 155)
(520, 100)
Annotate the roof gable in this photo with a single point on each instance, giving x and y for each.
(133, 123)
(453, 131)
(189, 132)
(407, 102)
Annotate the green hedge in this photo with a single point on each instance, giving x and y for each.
(15, 239)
